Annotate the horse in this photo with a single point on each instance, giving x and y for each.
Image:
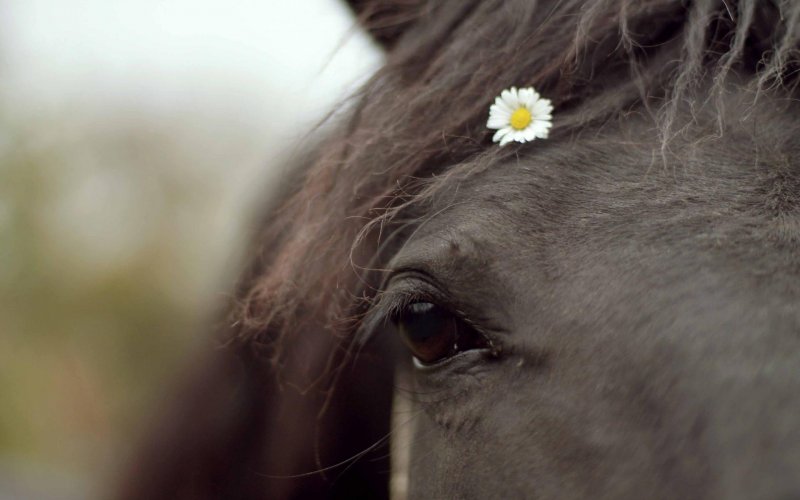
(610, 311)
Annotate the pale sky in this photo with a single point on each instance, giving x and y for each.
(259, 57)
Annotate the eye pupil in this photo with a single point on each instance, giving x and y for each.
(433, 333)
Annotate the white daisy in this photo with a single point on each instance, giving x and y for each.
(520, 115)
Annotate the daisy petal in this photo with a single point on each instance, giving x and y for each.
(530, 133)
(505, 140)
(542, 107)
(501, 133)
(541, 129)
(502, 111)
(511, 98)
(500, 104)
(526, 97)
(497, 121)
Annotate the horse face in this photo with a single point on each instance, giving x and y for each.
(628, 321)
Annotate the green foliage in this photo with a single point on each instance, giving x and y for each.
(112, 251)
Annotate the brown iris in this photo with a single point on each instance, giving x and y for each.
(433, 333)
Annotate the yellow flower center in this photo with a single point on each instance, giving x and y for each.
(521, 118)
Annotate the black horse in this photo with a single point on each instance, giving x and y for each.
(611, 312)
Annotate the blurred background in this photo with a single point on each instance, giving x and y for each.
(137, 138)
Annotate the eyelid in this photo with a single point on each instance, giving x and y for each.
(413, 287)
(404, 273)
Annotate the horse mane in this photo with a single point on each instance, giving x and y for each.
(423, 113)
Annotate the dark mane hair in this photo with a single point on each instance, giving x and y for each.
(413, 133)
(419, 122)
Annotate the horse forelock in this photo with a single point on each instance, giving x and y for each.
(418, 126)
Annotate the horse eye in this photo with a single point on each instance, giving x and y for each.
(433, 333)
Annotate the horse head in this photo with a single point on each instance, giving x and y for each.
(610, 311)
